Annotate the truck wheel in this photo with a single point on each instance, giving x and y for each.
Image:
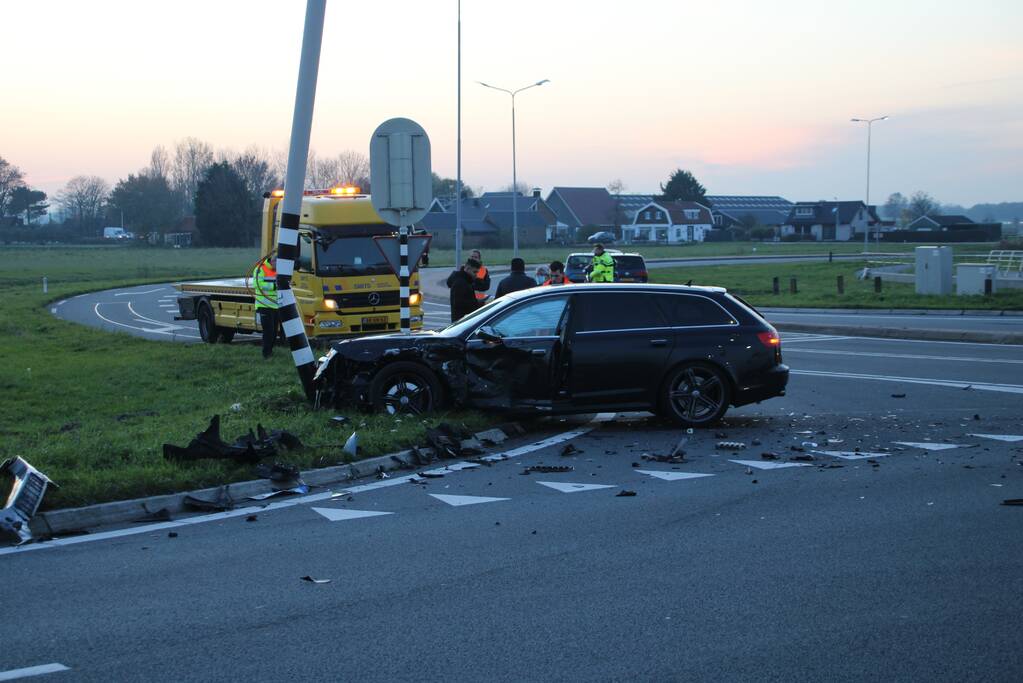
(226, 335)
(696, 395)
(404, 387)
(207, 323)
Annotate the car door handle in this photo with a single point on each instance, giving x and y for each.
(538, 352)
(658, 342)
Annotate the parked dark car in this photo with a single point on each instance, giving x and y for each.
(602, 237)
(687, 353)
(628, 267)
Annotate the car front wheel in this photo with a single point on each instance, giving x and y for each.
(404, 387)
(696, 395)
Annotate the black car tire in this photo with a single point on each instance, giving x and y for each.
(696, 395)
(226, 335)
(404, 387)
(208, 329)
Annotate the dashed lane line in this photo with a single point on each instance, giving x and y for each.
(132, 293)
(15, 674)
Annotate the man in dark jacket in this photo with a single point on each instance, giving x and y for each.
(463, 295)
(516, 281)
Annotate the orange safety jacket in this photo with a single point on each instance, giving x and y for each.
(481, 274)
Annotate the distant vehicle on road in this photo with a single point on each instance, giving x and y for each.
(117, 234)
(628, 267)
(602, 237)
(687, 353)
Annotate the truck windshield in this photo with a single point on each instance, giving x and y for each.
(346, 256)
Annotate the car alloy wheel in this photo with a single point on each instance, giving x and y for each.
(697, 394)
(406, 395)
(405, 387)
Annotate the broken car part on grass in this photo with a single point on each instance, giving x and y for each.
(249, 448)
(24, 499)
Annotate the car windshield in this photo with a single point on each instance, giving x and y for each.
(579, 261)
(350, 256)
(456, 328)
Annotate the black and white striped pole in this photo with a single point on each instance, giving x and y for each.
(402, 189)
(294, 182)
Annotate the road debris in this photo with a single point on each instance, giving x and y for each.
(351, 446)
(1013, 501)
(806, 457)
(23, 501)
(172, 534)
(570, 449)
(673, 459)
(625, 493)
(548, 469)
(898, 396)
(340, 420)
(223, 502)
(769, 455)
(730, 445)
(250, 448)
(310, 579)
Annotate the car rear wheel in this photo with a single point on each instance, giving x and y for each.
(405, 387)
(208, 329)
(696, 395)
(226, 335)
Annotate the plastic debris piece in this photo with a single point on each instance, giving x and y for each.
(769, 455)
(340, 420)
(1013, 501)
(252, 518)
(548, 469)
(625, 494)
(236, 407)
(23, 501)
(898, 396)
(570, 449)
(312, 580)
(351, 446)
(730, 445)
(172, 534)
(805, 457)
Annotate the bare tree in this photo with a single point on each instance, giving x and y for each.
(255, 166)
(11, 178)
(523, 188)
(353, 169)
(319, 173)
(616, 186)
(921, 204)
(159, 163)
(191, 159)
(82, 200)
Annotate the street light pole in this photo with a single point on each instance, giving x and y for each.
(866, 228)
(458, 154)
(515, 178)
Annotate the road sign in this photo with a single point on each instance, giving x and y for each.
(390, 247)
(400, 178)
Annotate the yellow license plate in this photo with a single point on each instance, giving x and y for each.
(375, 320)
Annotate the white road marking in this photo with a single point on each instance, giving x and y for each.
(1011, 438)
(954, 384)
(15, 674)
(458, 501)
(62, 302)
(53, 310)
(163, 329)
(928, 446)
(168, 305)
(148, 291)
(341, 515)
(291, 502)
(851, 455)
(872, 354)
(768, 465)
(436, 305)
(673, 476)
(567, 487)
(792, 337)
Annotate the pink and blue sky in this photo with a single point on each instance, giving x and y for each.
(754, 97)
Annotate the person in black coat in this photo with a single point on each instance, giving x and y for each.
(518, 279)
(463, 294)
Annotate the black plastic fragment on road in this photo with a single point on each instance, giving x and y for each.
(570, 449)
(222, 503)
(548, 469)
(310, 579)
(625, 494)
(1013, 501)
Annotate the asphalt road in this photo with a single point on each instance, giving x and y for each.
(902, 565)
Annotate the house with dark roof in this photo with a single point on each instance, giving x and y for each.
(748, 210)
(488, 220)
(838, 221)
(669, 222)
(583, 207)
(938, 223)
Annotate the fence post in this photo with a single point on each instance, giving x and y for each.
(46, 285)
(877, 283)
(841, 284)
(792, 285)
(774, 286)
(988, 287)
(831, 256)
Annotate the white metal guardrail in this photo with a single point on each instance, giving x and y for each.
(1009, 262)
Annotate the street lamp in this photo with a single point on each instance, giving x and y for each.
(866, 229)
(515, 179)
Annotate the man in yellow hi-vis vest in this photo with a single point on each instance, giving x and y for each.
(264, 286)
(602, 268)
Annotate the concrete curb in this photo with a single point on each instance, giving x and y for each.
(56, 522)
(896, 333)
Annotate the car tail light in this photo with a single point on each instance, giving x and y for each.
(640, 273)
(771, 340)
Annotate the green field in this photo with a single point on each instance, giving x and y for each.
(92, 409)
(502, 257)
(817, 288)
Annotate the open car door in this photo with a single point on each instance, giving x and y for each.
(513, 360)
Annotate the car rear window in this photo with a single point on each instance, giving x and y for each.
(579, 261)
(629, 263)
(687, 309)
(613, 311)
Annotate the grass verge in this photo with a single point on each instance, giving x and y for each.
(92, 409)
(817, 288)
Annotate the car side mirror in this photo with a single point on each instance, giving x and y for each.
(489, 334)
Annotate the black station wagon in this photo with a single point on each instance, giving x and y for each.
(687, 353)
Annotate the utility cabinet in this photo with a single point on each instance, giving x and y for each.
(971, 278)
(934, 270)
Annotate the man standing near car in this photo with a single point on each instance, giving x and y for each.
(557, 275)
(264, 287)
(602, 268)
(463, 295)
(481, 278)
(518, 280)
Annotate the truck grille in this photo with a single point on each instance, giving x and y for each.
(363, 299)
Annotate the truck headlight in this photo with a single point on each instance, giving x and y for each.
(415, 299)
(330, 304)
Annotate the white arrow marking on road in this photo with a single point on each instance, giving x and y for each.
(766, 465)
(567, 487)
(927, 445)
(673, 476)
(851, 455)
(1011, 438)
(340, 515)
(458, 501)
(15, 674)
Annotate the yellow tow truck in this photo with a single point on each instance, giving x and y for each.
(342, 282)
